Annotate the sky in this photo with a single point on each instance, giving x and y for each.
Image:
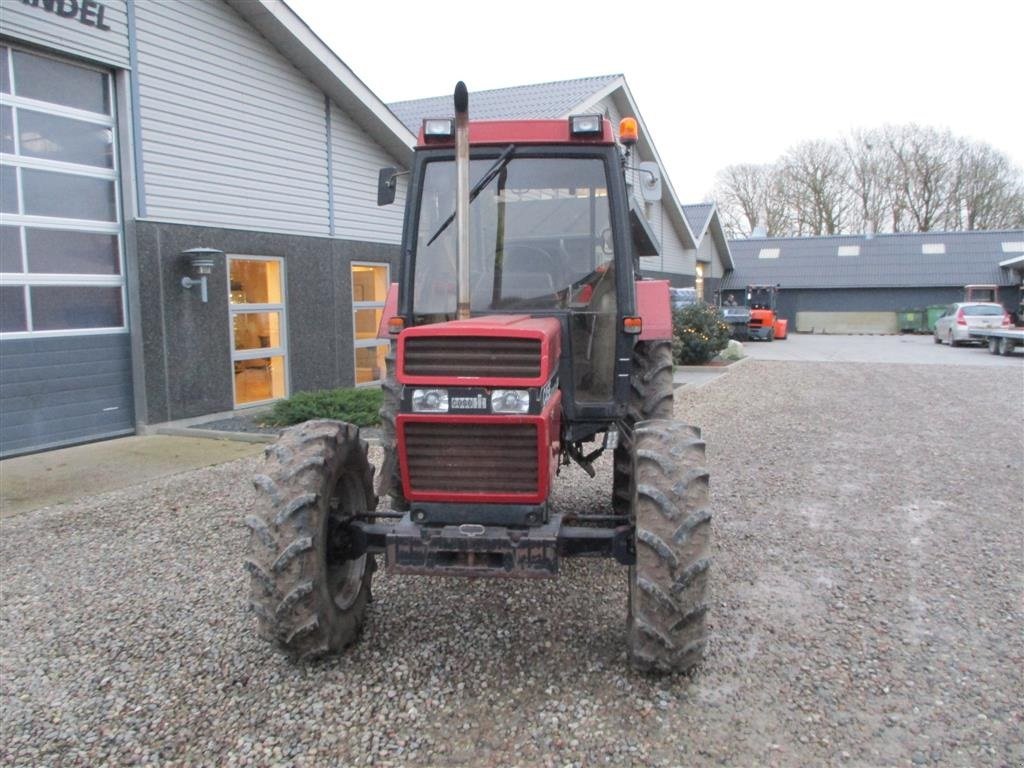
(717, 83)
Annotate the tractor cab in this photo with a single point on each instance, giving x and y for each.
(549, 234)
(542, 242)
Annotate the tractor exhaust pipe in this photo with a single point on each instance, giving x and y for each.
(462, 198)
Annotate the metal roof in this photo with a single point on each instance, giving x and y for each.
(698, 216)
(550, 100)
(903, 260)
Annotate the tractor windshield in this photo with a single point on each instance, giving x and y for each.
(540, 238)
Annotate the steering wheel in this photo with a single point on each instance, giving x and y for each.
(551, 266)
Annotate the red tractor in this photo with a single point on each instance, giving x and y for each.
(524, 339)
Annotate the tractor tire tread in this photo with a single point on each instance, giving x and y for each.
(389, 482)
(650, 397)
(667, 613)
(287, 566)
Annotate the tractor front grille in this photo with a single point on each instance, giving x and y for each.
(444, 457)
(473, 356)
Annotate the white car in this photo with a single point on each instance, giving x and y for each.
(954, 325)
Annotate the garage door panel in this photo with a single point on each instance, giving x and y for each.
(57, 403)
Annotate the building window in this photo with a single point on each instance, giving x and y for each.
(369, 292)
(61, 264)
(698, 282)
(258, 338)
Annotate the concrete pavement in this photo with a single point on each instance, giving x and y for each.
(54, 477)
(907, 349)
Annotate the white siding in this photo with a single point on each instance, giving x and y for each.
(607, 107)
(356, 161)
(674, 257)
(708, 254)
(232, 134)
(33, 23)
(677, 259)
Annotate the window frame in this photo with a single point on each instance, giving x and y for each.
(24, 279)
(357, 305)
(256, 354)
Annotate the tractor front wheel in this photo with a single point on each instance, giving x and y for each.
(389, 481)
(650, 397)
(665, 625)
(309, 585)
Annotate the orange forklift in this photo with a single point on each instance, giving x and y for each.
(764, 323)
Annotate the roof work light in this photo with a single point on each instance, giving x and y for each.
(586, 125)
(438, 128)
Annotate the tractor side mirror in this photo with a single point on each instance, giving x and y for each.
(387, 184)
(650, 181)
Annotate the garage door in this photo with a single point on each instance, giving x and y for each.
(65, 367)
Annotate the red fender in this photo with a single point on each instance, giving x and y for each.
(655, 309)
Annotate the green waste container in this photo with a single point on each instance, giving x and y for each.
(912, 321)
(933, 313)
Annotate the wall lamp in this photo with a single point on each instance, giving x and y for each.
(201, 261)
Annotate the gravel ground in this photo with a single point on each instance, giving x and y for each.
(866, 611)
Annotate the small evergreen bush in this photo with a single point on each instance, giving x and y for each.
(356, 406)
(698, 334)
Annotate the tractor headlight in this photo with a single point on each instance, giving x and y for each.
(510, 401)
(430, 401)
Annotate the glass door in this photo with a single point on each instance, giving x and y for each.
(258, 339)
(369, 292)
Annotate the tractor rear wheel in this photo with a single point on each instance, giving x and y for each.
(308, 585)
(389, 481)
(650, 397)
(667, 585)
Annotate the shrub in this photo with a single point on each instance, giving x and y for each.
(698, 334)
(356, 406)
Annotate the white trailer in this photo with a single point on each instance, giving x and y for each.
(1001, 341)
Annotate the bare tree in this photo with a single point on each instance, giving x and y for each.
(926, 160)
(868, 164)
(815, 176)
(776, 214)
(989, 193)
(739, 193)
(889, 179)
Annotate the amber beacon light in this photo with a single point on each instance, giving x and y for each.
(628, 131)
